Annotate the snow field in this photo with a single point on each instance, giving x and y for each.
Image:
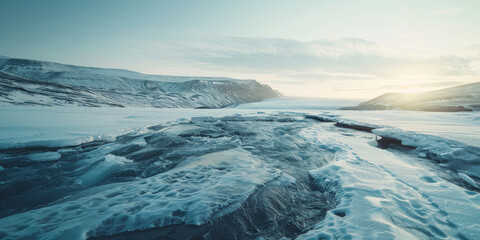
(383, 196)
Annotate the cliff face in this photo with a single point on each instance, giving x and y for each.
(30, 82)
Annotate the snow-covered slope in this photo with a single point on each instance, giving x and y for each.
(30, 82)
(461, 98)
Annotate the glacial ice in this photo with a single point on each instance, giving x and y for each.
(190, 193)
(44, 157)
(450, 153)
(71, 126)
(102, 170)
(383, 196)
(196, 170)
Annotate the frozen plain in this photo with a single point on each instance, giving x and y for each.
(205, 175)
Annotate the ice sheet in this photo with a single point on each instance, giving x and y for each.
(189, 194)
(381, 195)
(65, 126)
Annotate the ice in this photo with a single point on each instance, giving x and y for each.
(381, 195)
(284, 180)
(197, 170)
(461, 127)
(102, 170)
(299, 104)
(190, 193)
(139, 141)
(468, 179)
(112, 159)
(69, 126)
(450, 153)
(179, 129)
(44, 157)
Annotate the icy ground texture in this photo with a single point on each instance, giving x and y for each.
(60, 126)
(29, 126)
(382, 195)
(189, 194)
(181, 172)
(298, 103)
(241, 176)
(453, 154)
(449, 153)
(459, 126)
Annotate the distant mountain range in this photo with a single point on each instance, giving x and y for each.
(31, 82)
(460, 98)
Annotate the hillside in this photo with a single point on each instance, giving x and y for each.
(31, 82)
(460, 98)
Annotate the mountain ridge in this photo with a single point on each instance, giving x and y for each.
(31, 82)
(465, 97)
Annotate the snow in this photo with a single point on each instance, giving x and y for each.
(189, 194)
(460, 126)
(450, 153)
(69, 126)
(381, 195)
(212, 160)
(54, 87)
(468, 179)
(460, 98)
(79, 75)
(297, 103)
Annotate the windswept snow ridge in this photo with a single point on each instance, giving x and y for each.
(382, 196)
(448, 153)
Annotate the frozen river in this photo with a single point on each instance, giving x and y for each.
(245, 172)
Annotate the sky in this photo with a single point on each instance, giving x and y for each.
(320, 48)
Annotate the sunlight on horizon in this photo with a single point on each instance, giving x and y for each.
(341, 49)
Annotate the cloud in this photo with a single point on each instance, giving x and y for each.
(422, 85)
(451, 11)
(282, 61)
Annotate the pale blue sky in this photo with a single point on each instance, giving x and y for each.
(345, 48)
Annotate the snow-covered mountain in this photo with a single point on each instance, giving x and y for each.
(31, 82)
(461, 98)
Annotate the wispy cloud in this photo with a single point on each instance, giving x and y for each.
(284, 62)
(451, 11)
